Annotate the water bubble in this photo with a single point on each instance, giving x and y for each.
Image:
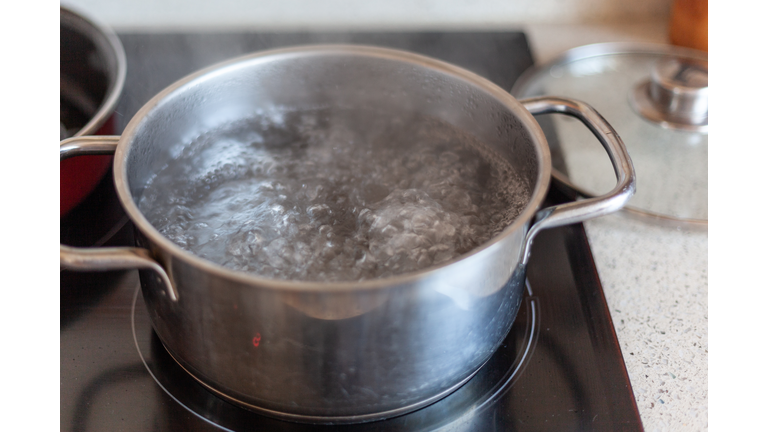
(330, 195)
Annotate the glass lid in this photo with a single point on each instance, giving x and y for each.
(656, 97)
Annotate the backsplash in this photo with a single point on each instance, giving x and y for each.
(126, 15)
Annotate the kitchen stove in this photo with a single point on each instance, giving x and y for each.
(560, 367)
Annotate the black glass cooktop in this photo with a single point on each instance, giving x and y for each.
(560, 367)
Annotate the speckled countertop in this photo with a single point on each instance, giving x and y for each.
(654, 278)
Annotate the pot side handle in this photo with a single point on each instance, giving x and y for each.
(110, 258)
(578, 211)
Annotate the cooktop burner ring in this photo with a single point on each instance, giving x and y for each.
(350, 420)
(488, 384)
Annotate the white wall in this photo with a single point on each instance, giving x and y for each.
(263, 14)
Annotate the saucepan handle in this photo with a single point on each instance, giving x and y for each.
(578, 211)
(109, 258)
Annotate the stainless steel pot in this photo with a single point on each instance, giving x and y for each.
(349, 351)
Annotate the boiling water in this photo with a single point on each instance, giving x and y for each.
(333, 195)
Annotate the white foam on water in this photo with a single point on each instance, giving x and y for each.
(333, 195)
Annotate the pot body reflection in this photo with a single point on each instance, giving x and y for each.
(349, 351)
(339, 354)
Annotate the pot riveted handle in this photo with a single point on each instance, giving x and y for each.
(111, 258)
(579, 211)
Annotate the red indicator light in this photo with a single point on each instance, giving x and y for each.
(257, 339)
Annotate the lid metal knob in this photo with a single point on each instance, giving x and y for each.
(676, 96)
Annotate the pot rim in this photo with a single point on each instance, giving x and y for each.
(526, 118)
(109, 40)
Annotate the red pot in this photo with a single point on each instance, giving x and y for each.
(92, 74)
